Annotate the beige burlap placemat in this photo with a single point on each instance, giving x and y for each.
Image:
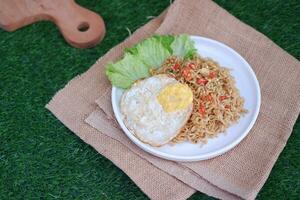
(239, 173)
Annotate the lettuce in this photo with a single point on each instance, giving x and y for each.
(183, 46)
(151, 51)
(146, 55)
(124, 72)
(166, 41)
(119, 80)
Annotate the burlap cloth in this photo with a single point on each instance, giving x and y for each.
(84, 107)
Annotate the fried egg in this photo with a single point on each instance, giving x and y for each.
(156, 108)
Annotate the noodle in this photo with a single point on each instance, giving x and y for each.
(217, 103)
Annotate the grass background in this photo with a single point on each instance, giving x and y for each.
(41, 159)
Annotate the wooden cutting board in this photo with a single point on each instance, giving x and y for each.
(80, 27)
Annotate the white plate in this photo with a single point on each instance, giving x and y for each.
(246, 82)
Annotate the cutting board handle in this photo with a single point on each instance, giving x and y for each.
(80, 27)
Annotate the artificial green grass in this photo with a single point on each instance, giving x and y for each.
(41, 159)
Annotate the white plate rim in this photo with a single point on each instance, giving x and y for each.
(204, 156)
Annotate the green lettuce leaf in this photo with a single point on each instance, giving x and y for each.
(166, 41)
(151, 51)
(124, 72)
(119, 80)
(183, 46)
(148, 54)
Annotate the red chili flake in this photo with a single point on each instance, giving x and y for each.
(212, 75)
(221, 98)
(201, 81)
(202, 110)
(208, 98)
(188, 76)
(227, 106)
(186, 73)
(186, 70)
(175, 66)
(192, 66)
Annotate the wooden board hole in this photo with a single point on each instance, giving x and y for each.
(83, 27)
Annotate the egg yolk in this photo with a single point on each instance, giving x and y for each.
(175, 97)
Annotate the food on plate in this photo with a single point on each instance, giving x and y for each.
(217, 103)
(172, 94)
(156, 108)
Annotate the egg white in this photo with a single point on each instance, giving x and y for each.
(145, 117)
